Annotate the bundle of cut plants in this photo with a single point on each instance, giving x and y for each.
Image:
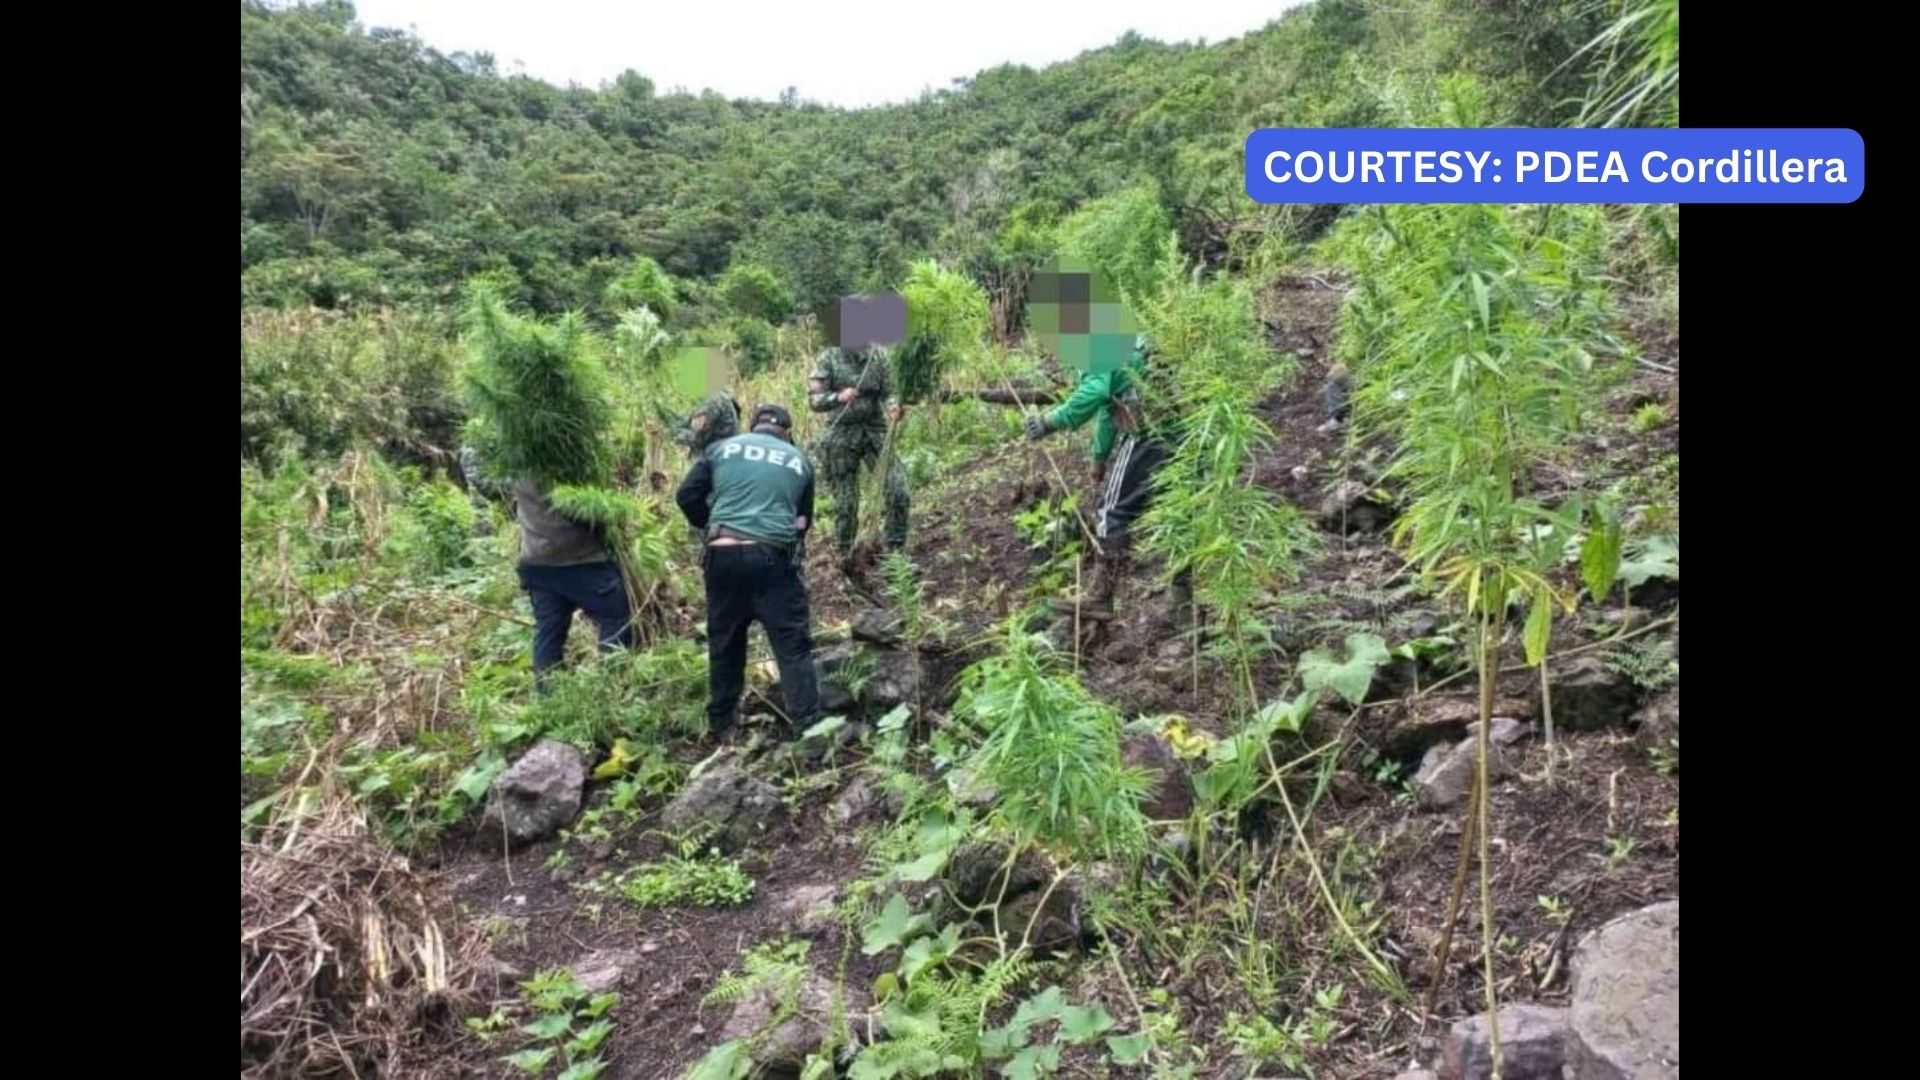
(946, 318)
(543, 411)
(344, 969)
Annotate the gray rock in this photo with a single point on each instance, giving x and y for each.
(896, 682)
(808, 909)
(1626, 998)
(878, 625)
(538, 795)
(784, 1023)
(1446, 773)
(1532, 1045)
(604, 969)
(1506, 731)
(727, 803)
(1659, 722)
(866, 796)
(1170, 791)
(1057, 930)
(1590, 696)
(1352, 507)
(887, 677)
(1446, 720)
(828, 663)
(976, 874)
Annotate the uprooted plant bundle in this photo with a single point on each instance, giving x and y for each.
(345, 969)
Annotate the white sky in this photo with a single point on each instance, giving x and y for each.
(852, 53)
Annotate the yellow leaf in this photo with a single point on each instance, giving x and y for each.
(616, 763)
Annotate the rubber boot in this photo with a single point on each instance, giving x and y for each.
(1183, 601)
(1096, 599)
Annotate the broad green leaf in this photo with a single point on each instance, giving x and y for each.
(1539, 625)
(590, 1069)
(256, 811)
(1045, 1005)
(1658, 557)
(1003, 1041)
(915, 1017)
(599, 1004)
(589, 1040)
(894, 925)
(1034, 1062)
(1291, 716)
(474, 782)
(1600, 557)
(1084, 1023)
(924, 868)
(728, 1061)
(825, 728)
(1351, 677)
(550, 1026)
(532, 1062)
(1128, 1049)
(927, 952)
(894, 720)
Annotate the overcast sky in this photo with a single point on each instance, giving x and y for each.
(858, 52)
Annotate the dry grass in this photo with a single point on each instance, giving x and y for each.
(345, 967)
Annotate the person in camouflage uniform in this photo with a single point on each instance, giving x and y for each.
(715, 419)
(856, 388)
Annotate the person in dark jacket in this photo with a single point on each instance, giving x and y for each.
(565, 566)
(752, 495)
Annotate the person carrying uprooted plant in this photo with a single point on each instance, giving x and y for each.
(752, 495)
(565, 566)
(1127, 452)
(855, 388)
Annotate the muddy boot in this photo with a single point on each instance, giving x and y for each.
(855, 571)
(1183, 611)
(1097, 591)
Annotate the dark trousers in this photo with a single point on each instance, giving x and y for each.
(1128, 490)
(748, 582)
(558, 591)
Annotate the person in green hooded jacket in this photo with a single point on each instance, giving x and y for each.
(1128, 451)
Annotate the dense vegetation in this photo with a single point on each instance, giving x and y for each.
(424, 239)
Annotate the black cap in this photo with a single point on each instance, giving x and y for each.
(772, 414)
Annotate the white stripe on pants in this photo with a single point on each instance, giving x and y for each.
(1110, 491)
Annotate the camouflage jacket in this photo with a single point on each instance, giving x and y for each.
(723, 422)
(869, 371)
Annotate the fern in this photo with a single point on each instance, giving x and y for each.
(777, 966)
(936, 1028)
